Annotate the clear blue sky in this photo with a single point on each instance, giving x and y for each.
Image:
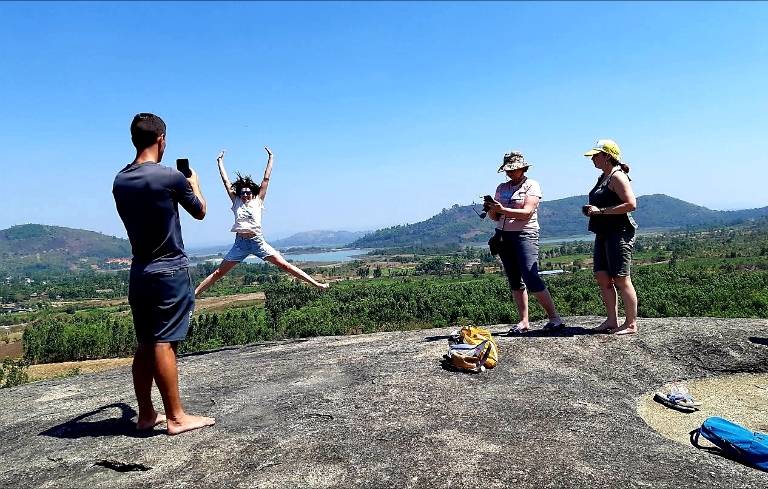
(378, 113)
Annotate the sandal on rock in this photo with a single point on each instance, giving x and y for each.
(518, 329)
(670, 402)
(552, 327)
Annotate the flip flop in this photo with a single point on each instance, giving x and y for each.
(684, 401)
(664, 399)
(552, 327)
(518, 329)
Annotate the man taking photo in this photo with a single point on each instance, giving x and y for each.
(160, 292)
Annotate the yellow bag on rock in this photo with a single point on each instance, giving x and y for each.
(472, 349)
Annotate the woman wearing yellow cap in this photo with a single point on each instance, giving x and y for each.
(611, 202)
(514, 207)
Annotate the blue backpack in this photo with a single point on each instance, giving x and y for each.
(737, 442)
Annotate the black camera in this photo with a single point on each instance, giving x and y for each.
(487, 201)
(585, 209)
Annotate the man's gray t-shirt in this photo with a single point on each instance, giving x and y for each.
(147, 197)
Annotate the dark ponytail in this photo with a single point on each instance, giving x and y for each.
(615, 162)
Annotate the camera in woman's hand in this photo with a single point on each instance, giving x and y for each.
(585, 209)
(487, 201)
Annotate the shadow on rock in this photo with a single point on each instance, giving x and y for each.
(541, 333)
(759, 341)
(437, 338)
(97, 423)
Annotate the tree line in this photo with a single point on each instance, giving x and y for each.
(707, 273)
(294, 310)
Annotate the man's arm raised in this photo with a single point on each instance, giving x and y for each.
(195, 184)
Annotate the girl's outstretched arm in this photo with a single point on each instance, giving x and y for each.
(224, 177)
(267, 173)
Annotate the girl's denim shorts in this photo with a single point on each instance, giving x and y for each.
(244, 247)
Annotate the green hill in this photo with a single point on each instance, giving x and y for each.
(35, 248)
(320, 238)
(560, 218)
(31, 248)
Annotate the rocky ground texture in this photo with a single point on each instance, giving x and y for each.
(568, 410)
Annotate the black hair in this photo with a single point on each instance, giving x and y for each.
(245, 181)
(145, 129)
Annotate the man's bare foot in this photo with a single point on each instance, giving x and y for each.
(605, 326)
(625, 329)
(322, 286)
(189, 422)
(151, 422)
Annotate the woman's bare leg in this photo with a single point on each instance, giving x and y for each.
(545, 299)
(629, 297)
(521, 301)
(608, 291)
(294, 270)
(211, 279)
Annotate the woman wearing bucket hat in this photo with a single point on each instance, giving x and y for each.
(611, 202)
(514, 207)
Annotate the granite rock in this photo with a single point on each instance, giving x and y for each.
(377, 410)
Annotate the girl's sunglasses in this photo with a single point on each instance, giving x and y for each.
(245, 192)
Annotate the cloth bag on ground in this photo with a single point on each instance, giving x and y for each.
(472, 349)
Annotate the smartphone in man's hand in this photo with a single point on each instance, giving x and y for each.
(182, 164)
(488, 199)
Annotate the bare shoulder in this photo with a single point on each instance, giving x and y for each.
(620, 178)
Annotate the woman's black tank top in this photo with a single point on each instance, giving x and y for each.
(602, 196)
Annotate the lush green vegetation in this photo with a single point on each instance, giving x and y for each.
(295, 310)
(13, 372)
(720, 272)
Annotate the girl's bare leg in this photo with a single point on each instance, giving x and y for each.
(211, 279)
(294, 270)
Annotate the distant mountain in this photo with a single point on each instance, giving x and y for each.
(560, 218)
(31, 248)
(457, 224)
(36, 248)
(318, 239)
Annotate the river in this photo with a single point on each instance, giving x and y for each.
(325, 256)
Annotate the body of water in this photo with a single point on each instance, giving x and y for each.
(326, 256)
(589, 237)
(329, 256)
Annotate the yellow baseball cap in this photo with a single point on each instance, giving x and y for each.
(606, 146)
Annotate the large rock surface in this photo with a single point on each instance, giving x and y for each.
(378, 411)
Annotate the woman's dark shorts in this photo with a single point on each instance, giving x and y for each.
(162, 304)
(613, 253)
(520, 257)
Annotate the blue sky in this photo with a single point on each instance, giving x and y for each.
(378, 113)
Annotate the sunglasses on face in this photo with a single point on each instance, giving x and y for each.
(245, 192)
